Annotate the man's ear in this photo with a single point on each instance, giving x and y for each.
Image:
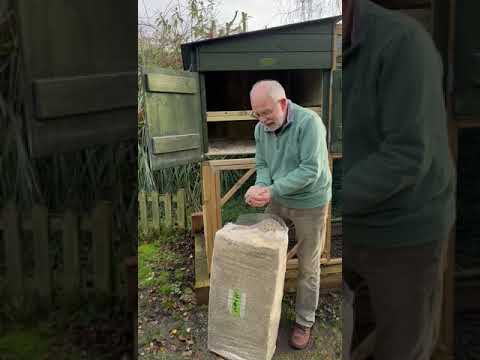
(283, 104)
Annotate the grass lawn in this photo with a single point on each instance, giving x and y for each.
(173, 326)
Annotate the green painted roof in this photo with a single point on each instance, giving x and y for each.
(187, 47)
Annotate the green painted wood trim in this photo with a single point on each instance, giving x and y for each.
(170, 83)
(58, 97)
(76, 132)
(13, 247)
(272, 43)
(325, 100)
(43, 281)
(203, 103)
(336, 123)
(102, 247)
(71, 255)
(264, 61)
(175, 143)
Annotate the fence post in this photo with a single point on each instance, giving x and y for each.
(181, 208)
(155, 210)
(43, 282)
(168, 209)
(142, 207)
(102, 242)
(71, 256)
(14, 274)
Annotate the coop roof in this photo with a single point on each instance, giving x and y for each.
(306, 28)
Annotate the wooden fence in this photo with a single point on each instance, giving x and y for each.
(166, 209)
(56, 256)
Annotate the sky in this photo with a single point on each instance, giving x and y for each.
(262, 13)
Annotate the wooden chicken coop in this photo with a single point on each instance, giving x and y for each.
(204, 113)
(453, 25)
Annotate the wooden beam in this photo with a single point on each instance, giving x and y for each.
(43, 281)
(217, 214)
(57, 97)
(227, 163)
(155, 210)
(202, 279)
(78, 131)
(102, 246)
(210, 206)
(142, 210)
(215, 116)
(180, 200)
(175, 143)
(71, 255)
(13, 247)
(237, 186)
(330, 278)
(171, 83)
(197, 222)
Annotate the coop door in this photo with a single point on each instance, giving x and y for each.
(78, 72)
(173, 114)
(336, 122)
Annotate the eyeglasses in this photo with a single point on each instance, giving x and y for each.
(263, 114)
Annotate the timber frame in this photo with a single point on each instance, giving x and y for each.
(211, 219)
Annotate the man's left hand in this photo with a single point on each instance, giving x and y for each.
(261, 198)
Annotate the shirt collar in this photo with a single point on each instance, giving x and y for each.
(286, 123)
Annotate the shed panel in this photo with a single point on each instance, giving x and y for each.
(264, 61)
(272, 43)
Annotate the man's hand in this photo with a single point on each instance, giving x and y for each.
(258, 196)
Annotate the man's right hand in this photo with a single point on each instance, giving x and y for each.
(254, 196)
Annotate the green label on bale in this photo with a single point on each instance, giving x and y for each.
(236, 303)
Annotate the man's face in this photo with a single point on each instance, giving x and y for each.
(270, 113)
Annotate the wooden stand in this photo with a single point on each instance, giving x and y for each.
(211, 219)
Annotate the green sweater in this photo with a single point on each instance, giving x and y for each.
(398, 175)
(294, 162)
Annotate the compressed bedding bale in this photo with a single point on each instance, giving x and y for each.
(246, 289)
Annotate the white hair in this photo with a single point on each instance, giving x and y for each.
(272, 88)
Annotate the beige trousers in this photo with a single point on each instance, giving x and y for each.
(310, 235)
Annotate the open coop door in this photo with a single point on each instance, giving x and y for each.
(79, 73)
(336, 133)
(174, 116)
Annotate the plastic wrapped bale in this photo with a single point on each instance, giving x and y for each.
(246, 287)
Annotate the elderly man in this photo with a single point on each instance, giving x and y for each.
(398, 176)
(293, 178)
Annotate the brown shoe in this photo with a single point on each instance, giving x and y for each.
(300, 337)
